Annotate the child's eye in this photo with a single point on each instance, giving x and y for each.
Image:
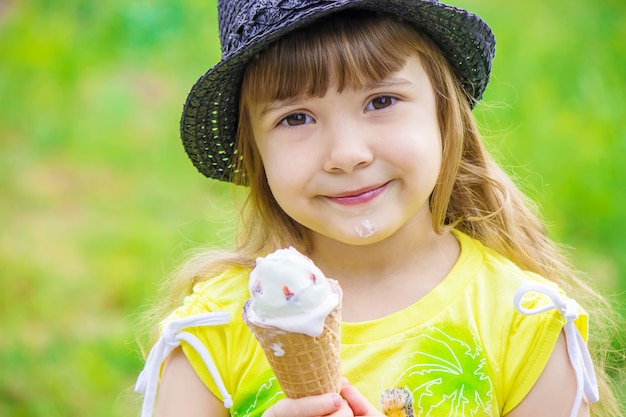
(296, 119)
(380, 103)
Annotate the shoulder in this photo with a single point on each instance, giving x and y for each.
(496, 283)
(226, 292)
(519, 311)
(491, 271)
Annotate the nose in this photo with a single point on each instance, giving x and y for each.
(348, 147)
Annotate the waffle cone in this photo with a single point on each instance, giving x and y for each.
(304, 365)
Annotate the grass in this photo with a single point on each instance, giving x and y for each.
(98, 201)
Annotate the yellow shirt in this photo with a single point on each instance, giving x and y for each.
(463, 349)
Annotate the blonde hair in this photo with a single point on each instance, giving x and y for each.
(473, 194)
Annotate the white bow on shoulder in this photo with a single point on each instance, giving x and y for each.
(576, 347)
(171, 336)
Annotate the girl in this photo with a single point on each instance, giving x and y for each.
(350, 123)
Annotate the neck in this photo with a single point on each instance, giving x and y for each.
(397, 271)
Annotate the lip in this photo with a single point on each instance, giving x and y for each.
(360, 196)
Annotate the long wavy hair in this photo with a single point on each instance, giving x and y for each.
(473, 194)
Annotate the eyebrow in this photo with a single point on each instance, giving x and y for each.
(387, 82)
(279, 104)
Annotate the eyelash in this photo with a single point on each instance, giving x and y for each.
(390, 100)
(285, 121)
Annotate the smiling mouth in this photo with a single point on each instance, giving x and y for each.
(362, 196)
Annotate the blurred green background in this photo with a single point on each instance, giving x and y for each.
(98, 202)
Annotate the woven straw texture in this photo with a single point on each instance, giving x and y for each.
(210, 116)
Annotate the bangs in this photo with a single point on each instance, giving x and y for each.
(349, 50)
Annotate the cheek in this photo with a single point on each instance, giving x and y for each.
(286, 180)
(281, 171)
(422, 154)
(290, 164)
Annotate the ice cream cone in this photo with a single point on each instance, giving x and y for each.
(303, 365)
(294, 311)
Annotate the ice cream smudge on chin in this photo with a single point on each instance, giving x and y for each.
(366, 229)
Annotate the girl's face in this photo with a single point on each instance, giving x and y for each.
(354, 166)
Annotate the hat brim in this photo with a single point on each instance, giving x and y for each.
(210, 115)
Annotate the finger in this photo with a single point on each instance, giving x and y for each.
(318, 405)
(344, 411)
(358, 403)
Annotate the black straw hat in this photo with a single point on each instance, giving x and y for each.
(210, 116)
